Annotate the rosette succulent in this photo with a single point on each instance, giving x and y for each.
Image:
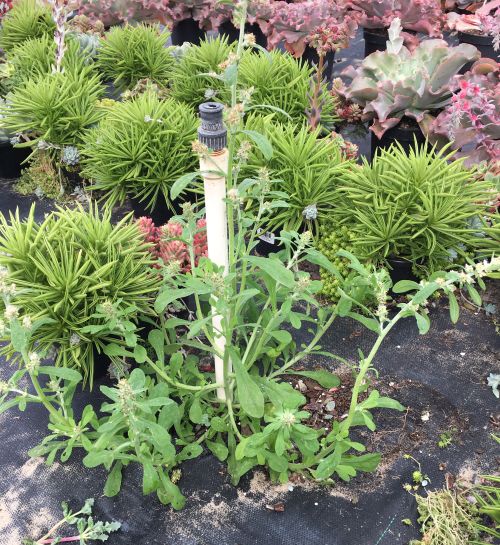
(296, 24)
(471, 123)
(131, 53)
(140, 148)
(281, 81)
(27, 19)
(418, 15)
(395, 83)
(307, 167)
(485, 21)
(190, 76)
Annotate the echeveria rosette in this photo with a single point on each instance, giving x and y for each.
(484, 21)
(418, 15)
(395, 83)
(295, 23)
(471, 123)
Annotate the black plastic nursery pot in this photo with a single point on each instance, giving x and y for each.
(375, 40)
(228, 30)
(11, 160)
(482, 42)
(401, 269)
(268, 244)
(187, 30)
(406, 132)
(160, 213)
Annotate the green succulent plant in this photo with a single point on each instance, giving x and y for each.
(421, 206)
(67, 266)
(36, 57)
(190, 80)
(27, 19)
(281, 81)
(395, 83)
(131, 53)
(55, 108)
(307, 168)
(140, 149)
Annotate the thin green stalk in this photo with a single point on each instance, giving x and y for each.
(180, 385)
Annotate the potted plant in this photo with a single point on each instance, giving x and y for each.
(416, 212)
(297, 25)
(138, 150)
(259, 13)
(481, 28)
(470, 124)
(398, 89)
(415, 15)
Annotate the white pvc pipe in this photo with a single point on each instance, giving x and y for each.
(217, 238)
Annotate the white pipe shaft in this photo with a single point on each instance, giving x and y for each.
(217, 238)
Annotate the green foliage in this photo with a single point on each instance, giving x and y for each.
(281, 81)
(27, 19)
(65, 268)
(190, 79)
(140, 148)
(54, 109)
(88, 528)
(131, 53)
(41, 178)
(331, 239)
(422, 206)
(307, 168)
(36, 56)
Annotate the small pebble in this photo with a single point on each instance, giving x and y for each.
(425, 483)
(290, 487)
(315, 503)
(462, 353)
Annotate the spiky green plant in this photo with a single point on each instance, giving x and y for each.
(55, 108)
(421, 205)
(36, 56)
(190, 77)
(131, 53)
(281, 81)
(27, 19)
(140, 148)
(68, 265)
(308, 168)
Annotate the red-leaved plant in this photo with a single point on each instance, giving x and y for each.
(168, 242)
(471, 123)
(326, 23)
(5, 6)
(418, 15)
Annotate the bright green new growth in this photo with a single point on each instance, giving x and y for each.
(55, 108)
(281, 81)
(421, 206)
(67, 266)
(36, 56)
(140, 148)
(190, 79)
(308, 169)
(131, 53)
(27, 19)
(334, 238)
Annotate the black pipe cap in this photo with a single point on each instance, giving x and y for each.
(212, 131)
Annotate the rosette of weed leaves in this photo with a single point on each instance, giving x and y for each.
(278, 80)
(192, 81)
(53, 110)
(140, 149)
(65, 268)
(131, 53)
(27, 19)
(305, 166)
